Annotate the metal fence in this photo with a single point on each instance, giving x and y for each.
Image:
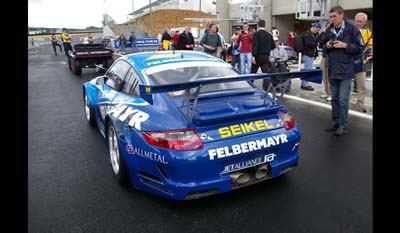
(43, 45)
(39, 46)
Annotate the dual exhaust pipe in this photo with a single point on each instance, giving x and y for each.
(242, 177)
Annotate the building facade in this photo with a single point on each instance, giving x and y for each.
(282, 13)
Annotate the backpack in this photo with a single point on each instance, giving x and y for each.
(299, 43)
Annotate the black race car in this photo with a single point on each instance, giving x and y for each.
(88, 56)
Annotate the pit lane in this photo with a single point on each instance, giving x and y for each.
(71, 187)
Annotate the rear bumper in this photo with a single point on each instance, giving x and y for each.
(186, 191)
(195, 175)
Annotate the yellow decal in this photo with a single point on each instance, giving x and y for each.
(244, 128)
(225, 132)
(148, 89)
(162, 56)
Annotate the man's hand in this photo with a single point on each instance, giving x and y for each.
(253, 60)
(339, 44)
(329, 44)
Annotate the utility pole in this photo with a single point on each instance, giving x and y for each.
(133, 10)
(199, 20)
(151, 21)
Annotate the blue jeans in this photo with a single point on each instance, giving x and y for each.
(308, 64)
(245, 58)
(134, 47)
(67, 48)
(235, 60)
(340, 93)
(122, 48)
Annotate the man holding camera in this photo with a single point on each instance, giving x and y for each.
(342, 42)
(245, 39)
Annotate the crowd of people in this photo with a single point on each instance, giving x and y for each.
(346, 47)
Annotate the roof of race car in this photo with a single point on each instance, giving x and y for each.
(150, 59)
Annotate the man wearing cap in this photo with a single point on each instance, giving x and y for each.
(311, 40)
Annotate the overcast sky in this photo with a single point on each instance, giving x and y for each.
(78, 13)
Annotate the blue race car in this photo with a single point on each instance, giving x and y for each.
(185, 125)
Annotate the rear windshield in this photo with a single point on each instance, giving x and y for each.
(191, 71)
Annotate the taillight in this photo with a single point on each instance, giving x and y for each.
(288, 120)
(185, 139)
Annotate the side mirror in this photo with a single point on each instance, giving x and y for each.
(100, 80)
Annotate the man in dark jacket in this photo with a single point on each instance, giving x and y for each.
(311, 40)
(186, 40)
(262, 45)
(342, 42)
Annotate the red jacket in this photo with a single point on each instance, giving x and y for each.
(175, 38)
(246, 40)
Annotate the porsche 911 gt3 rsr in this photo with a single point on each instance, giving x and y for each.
(185, 125)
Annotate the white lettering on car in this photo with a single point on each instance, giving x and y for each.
(137, 119)
(248, 163)
(245, 147)
(146, 154)
(137, 116)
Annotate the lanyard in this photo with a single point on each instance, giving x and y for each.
(338, 34)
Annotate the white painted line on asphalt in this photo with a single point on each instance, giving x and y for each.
(328, 106)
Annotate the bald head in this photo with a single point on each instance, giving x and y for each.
(360, 19)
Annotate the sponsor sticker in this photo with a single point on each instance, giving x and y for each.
(248, 163)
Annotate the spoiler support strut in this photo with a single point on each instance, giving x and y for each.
(278, 81)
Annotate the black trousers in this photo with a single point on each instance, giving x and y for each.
(54, 44)
(266, 67)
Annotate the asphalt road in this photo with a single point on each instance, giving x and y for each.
(71, 187)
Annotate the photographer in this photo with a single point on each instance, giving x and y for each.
(245, 39)
(341, 42)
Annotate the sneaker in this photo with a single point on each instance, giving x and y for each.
(324, 96)
(340, 131)
(329, 98)
(307, 88)
(331, 129)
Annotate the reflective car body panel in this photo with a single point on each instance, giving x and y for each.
(241, 130)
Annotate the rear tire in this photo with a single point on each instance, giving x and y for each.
(89, 111)
(116, 158)
(77, 67)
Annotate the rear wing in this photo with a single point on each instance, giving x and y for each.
(278, 80)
